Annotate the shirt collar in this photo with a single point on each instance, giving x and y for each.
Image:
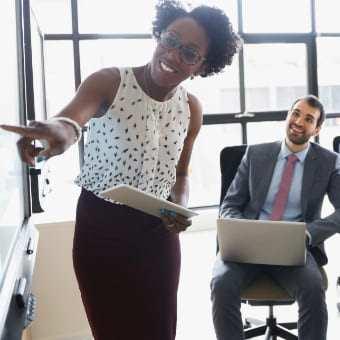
(285, 152)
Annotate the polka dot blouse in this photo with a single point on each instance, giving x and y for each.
(138, 141)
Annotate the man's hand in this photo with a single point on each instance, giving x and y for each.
(308, 240)
(174, 222)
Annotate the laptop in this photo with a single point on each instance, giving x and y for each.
(262, 242)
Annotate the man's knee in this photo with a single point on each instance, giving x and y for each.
(225, 288)
(312, 292)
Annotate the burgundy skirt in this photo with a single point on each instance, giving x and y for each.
(127, 266)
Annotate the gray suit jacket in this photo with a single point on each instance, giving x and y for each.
(248, 191)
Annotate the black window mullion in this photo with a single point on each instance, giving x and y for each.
(76, 63)
(312, 71)
(230, 118)
(75, 39)
(95, 36)
(242, 82)
(244, 133)
(241, 73)
(272, 38)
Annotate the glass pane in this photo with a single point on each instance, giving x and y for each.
(327, 19)
(54, 16)
(280, 16)
(96, 54)
(262, 132)
(218, 93)
(107, 16)
(11, 171)
(38, 70)
(59, 71)
(228, 6)
(275, 75)
(64, 168)
(328, 73)
(205, 183)
(329, 130)
(60, 172)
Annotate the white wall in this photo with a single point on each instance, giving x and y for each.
(60, 313)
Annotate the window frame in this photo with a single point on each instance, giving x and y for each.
(243, 117)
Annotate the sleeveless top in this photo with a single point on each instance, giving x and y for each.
(138, 141)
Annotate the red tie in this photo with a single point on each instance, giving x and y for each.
(284, 188)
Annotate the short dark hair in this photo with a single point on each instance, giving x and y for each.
(224, 43)
(315, 102)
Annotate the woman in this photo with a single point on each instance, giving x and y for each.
(142, 127)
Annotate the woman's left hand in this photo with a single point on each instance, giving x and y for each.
(174, 222)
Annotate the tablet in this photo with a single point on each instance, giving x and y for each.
(143, 201)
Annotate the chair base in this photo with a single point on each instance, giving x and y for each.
(271, 329)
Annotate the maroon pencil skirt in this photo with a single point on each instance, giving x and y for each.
(127, 266)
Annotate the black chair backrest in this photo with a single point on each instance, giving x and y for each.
(336, 144)
(230, 159)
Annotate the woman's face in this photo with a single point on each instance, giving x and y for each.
(171, 65)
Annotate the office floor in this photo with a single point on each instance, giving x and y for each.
(194, 307)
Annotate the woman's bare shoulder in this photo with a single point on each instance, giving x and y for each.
(105, 82)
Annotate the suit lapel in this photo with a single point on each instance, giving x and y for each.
(266, 168)
(309, 171)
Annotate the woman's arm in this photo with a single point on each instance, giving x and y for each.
(93, 98)
(180, 190)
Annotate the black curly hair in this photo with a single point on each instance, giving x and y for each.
(224, 43)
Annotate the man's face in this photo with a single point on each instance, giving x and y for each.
(301, 123)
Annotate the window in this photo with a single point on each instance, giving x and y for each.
(12, 192)
(328, 72)
(327, 15)
(330, 129)
(275, 75)
(59, 75)
(54, 16)
(263, 132)
(204, 173)
(276, 66)
(280, 16)
(219, 93)
(96, 54)
(107, 16)
(59, 70)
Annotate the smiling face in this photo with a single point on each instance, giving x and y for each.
(168, 69)
(301, 125)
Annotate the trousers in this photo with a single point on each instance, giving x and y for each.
(304, 283)
(127, 265)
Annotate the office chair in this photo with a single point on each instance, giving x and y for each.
(336, 144)
(336, 148)
(263, 291)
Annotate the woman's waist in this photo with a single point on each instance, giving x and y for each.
(157, 185)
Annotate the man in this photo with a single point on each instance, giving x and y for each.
(256, 193)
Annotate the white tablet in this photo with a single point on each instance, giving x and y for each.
(143, 201)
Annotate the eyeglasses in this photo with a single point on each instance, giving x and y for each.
(189, 55)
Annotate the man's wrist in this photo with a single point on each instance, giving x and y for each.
(308, 238)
